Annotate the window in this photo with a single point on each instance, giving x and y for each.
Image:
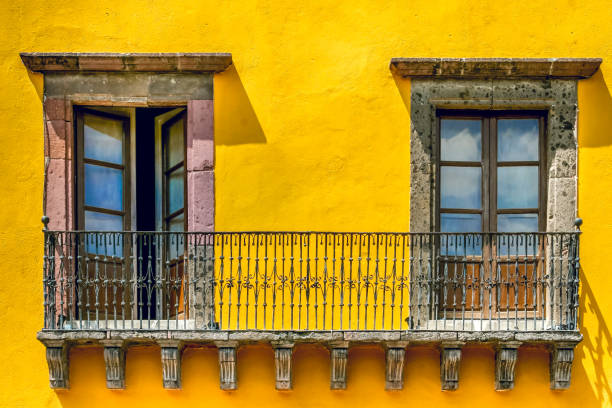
(106, 200)
(491, 180)
(114, 144)
(491, 169)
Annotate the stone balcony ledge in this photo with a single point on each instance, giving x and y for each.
(172, 342)
(243, 337)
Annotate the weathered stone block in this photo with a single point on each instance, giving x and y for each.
(506, 355)
(561, 360)
(339, 360)
(227, 366)
(200, 202)
(283, 363)
(200, 135)
(114, 359)
(395, 357)
(450, 361)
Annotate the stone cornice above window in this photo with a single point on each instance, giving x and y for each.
(506, 68)
(129, 62)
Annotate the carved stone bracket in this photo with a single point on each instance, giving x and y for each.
(450, 360)
(339, 360)
(171, 351)
(283, 356)
(114, 359)
(395, 357)
(561, 359)
(506, 355)
(57, 359)
(227, 365)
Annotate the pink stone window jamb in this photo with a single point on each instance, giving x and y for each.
(200, 166)
(58, 203)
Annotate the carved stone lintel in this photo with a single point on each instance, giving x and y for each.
(114, 359)
(171, 363)
(339, 359)
(395, 356)
(227, 365)
(561, 359)
(506, 355)
(450, 360)
(57, 359)
(283, 356)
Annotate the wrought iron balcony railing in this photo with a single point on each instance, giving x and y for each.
(315, 281)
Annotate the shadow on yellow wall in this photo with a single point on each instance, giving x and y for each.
(592, 347)
(595, 121)
(235, 120)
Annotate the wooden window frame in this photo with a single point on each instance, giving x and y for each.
(489, 164)
(79, 169)
(166, 171)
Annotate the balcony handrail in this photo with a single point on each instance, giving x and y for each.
(311, 280)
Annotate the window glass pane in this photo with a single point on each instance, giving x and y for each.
(175, 144)
(176, 188)
(462, 244)
(461, 187)
(517, 187)
(103, 187)
(460, 140)
(460, 222)
(176, 242)
(177, 224)
(518, 244)
(103, 243)
(517, 222)
(103, 139)
(517, 139)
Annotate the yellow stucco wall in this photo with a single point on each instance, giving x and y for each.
(312, 132)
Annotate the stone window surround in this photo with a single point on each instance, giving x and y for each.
(127, 80)
(558, 97)
(495, 84)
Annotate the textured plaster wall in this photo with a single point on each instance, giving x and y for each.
(312, 132)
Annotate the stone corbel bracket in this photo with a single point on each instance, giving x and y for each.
(57, 359)
(561, 359)
(228, 378)
(506, 356)
(339, 360)
(283, 364)
(171, 354)
(395, 356)
(450, 361)
(114, 359)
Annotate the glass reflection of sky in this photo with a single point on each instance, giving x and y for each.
(460, 140)
(176, 244)
(175, 143)
(461, 187)
(515, 245)
(103, 187)
(176, 185)
(517, 187)
(517, 222)
(103, 139)
(464, 244)
(517, 139)
(103, 243)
